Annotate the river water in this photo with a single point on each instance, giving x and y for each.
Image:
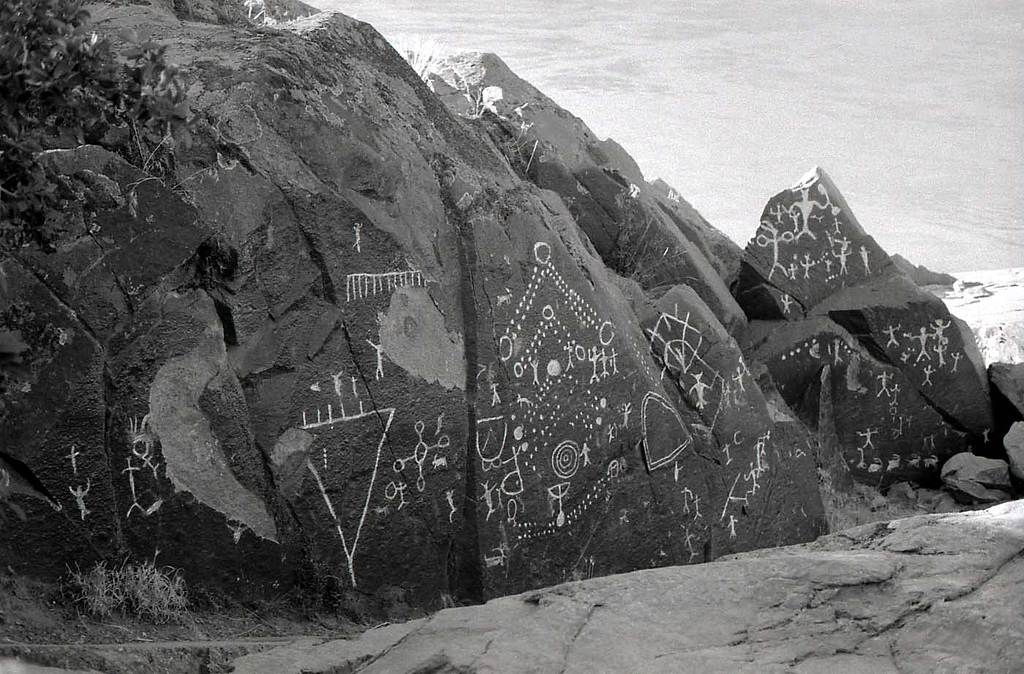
(915, 108)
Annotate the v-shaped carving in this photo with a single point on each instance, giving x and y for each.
(350, 553)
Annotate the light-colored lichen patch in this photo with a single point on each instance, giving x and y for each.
(192, 454)
(413, 336)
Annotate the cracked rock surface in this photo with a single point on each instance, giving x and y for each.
(926, 594)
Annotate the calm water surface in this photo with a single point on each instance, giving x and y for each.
(915, 108)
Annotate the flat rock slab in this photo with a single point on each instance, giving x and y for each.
(926, 594)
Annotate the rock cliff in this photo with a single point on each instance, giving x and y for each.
(353, 339)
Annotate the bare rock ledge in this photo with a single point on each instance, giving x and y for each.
(926, 594)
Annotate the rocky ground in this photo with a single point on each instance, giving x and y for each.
(923, 594)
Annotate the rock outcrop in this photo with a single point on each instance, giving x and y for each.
(644, 232)
(346, 342)
(975, 479)
(904, 378)
(920, 274)
(928, 594)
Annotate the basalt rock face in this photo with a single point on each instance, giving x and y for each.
(641, 230)
(351, 342)
(903, 377)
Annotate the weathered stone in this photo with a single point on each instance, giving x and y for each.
(927, 594)
(976, 478)
(903, 371)
(921, 275)
(1008, 379)
(1013, 441)
(886, 431)
(638, 232)
(365, 349)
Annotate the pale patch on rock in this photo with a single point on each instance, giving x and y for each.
(194, 460)
(413, 336)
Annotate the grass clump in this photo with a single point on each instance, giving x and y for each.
(139, 589)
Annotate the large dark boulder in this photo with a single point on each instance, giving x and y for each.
(908, 382)
(345, 343)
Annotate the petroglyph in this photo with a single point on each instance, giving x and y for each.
(362, 285)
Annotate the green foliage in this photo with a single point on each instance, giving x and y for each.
(60, 86)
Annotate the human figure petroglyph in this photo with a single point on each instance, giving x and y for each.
(939, 329)
(842, 255)
(80, 493)
(956, 360)
(732, 526)
(891, 332)
(922, 338)
(868, 435)
(807, 263)
(787, 302)
(379, 373)
(864, 259)
(884, 378)
(73, 455)
(495, 398)
(131, 470)
(940, 351)
(928, 371)
(805, 206)
(626, 409)
(358, 245)
(700, 387)
(772, 238)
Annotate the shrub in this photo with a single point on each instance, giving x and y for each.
(139, 589)
(60, 86)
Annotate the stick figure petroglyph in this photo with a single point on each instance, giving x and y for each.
(891, 331)
(379, 374)
(884, 378)
(922, 338)
(772, 238)
(787, 302)
(956, 360)
(868, 435)
(495, 399)
(73, 455)
(357, 228)
(928, 371)
(864, 259)
(79, 494)
(626, 409)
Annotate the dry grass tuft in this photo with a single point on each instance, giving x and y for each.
(424, 54)
(140, 589)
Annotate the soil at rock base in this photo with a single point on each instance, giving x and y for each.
(35, 612)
